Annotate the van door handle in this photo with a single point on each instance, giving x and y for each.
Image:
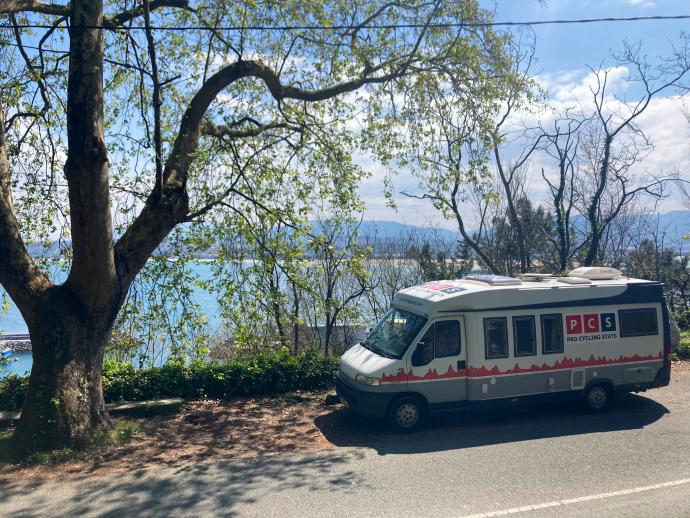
(462, 364)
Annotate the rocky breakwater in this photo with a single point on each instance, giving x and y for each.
(19, 346)
(16, 343)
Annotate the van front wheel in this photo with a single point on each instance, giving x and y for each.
(407, 414)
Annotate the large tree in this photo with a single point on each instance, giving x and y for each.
(190, 123)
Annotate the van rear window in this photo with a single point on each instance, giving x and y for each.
(496, 337)
(552, 334)
(638, 322)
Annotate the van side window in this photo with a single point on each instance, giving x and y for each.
(425, 349)
(496, 337)
(552, 333)
(446, 338)
(638, 322)
(524, 336)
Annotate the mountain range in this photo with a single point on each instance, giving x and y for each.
(672, 225)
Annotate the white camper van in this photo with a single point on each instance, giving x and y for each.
(488, 339)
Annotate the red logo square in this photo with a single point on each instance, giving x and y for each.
(591, 323)
(573, 324)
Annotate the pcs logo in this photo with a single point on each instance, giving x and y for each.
(590, 323)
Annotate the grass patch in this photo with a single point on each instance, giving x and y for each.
(51, 458)
(5, 449)
(122, 432)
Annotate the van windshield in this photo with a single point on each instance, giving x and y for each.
(394, 333)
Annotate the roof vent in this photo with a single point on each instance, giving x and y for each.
(574, 280)
(596, 273)
(494, 280)
(536, 277)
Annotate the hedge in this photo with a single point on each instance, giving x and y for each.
(272, 372)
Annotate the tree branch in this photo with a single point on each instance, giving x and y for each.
(17, 6)
(168, 205)
(156, 97)
(231, 131)
(19, 275)
(130, 14)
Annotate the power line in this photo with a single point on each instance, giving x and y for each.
(32, 47)
(448, 25)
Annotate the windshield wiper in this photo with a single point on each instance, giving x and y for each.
(380, 352)
(371, 347)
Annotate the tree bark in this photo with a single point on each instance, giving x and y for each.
(64, 404)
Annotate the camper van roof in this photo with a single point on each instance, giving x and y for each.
(474, 294)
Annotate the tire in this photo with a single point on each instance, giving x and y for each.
(598, 398)
(407, 414)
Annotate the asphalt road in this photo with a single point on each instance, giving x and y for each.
(631, 461)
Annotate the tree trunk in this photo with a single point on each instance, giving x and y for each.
(593, 209)
(593, 249)
(64, 404)
(295, 318)
(513, 216)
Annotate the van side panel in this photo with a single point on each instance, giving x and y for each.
(593, 351)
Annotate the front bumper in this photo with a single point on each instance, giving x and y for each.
(364, 402)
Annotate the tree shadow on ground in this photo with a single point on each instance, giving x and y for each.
(202, 489)
(481, 428)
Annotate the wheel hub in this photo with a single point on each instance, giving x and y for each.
(597, 397)
(407, 415)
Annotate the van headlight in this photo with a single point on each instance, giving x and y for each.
(366, 380)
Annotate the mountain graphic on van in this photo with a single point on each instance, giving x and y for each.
(479, 372)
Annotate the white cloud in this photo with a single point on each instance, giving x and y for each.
(663, 122)
(644, 4)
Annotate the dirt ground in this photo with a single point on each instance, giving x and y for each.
(202, 430)
(683, 366)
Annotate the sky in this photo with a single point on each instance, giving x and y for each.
(563, 53)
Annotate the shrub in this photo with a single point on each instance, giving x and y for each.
(12, 390)
(682, 352)
(269, 372)
(682, 319)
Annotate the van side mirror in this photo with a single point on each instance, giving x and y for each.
(422, 354)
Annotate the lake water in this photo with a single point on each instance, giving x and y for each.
(13, 323)
(20, 363)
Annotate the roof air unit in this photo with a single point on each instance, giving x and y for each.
(596, 273)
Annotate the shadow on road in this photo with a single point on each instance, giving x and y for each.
(472, 429)
(204, 489)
